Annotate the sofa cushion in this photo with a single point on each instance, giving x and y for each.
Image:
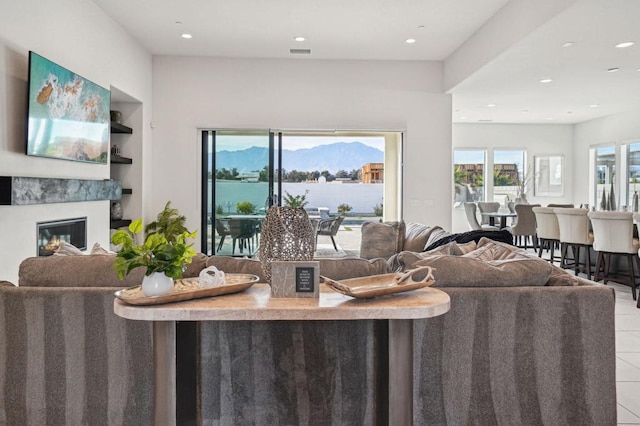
(345, 268)
(381, 239)
(461, 271)
(74, 271)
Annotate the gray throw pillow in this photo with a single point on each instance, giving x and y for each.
(381, 239)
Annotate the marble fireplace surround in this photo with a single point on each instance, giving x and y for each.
(16, 190)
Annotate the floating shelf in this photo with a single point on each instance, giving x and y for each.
(120, 223)
(116, 159)
(120, 128)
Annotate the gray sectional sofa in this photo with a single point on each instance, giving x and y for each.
(543, 353)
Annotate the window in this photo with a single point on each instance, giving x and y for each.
(510, 181)
(633, 172)
(605, 172)
(468, 176)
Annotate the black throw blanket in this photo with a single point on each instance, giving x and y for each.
(466, 237)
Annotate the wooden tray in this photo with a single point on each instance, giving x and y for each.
(380, 285)
(187, 289)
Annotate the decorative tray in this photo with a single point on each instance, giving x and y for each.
(380, 285)
(187, 289)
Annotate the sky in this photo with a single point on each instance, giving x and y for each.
(237, 143)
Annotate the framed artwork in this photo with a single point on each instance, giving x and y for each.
(549, 179)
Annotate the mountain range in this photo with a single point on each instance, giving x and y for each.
(332, 157)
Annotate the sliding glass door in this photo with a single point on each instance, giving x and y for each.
(351, 174)
(237, 191)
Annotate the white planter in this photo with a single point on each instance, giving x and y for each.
(156, 284)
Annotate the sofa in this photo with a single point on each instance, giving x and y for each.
(506, 353)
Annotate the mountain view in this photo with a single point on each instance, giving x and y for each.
(332, 157)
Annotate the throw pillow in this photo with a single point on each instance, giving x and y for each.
(476, 235)
(381, 239)
(66, 249)
(416, 236)
(98, 249)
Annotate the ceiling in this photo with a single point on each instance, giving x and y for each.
(508, 78)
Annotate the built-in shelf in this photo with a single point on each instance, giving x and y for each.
(116, 159)
(120, 128)
(120, 223)
(127, 191)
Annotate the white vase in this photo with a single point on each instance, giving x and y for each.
(156, 284)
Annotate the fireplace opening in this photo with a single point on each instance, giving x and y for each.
(50, 234)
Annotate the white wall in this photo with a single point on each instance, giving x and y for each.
(536, 139)
(616, 129)
(77, 35)
(197, 92)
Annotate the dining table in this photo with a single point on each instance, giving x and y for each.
(498, 215)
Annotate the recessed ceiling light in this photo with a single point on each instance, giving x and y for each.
(178, 22)
(615, 69)
(491, 105)
(546, 80)
(549, 118)
(463, 118)
(421, 27)
(299, 38)
(625, 44)
(185, 35)
(410, 40)
(569, 112)
(594, 106)
(568, 44)
(525, 110)
(485, 121)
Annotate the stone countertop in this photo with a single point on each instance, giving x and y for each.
(256, 304)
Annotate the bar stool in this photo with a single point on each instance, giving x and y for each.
(613, 234)
(574, 232)
(525, 225)
(547, 229)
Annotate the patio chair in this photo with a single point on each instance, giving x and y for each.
(222, 228)
(243, 231)
(329, 227)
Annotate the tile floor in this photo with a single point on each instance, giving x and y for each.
(627, 356)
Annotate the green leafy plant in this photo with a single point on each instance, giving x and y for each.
(219, 209)
(377, 209)
(295, 200)
(164, 249)
(245, 207)
(344, 208)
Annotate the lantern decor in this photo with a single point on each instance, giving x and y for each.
(287, 234)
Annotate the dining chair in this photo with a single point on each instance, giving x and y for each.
(613, 235)
(487, 207)
(575, 233)
(525, 225)
(547, 229)
(470, 210)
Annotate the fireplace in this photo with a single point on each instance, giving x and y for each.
(50, 234)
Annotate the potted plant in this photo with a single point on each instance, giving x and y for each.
(165, 252)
